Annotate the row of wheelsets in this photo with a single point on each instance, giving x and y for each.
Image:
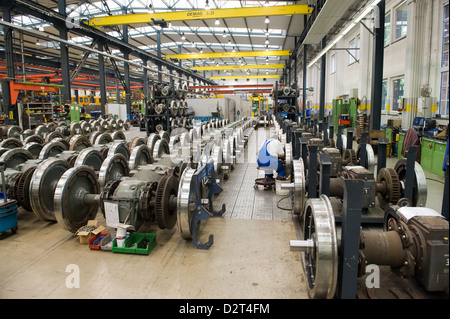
(353, 212)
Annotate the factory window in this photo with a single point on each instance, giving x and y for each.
(387, 29)
(401, 21)
(443, 105)
(333, 64)
(444, 99)
(353, 51)
(384, 95)
(398, 89)
(445, 38)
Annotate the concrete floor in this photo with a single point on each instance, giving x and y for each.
(250, 257)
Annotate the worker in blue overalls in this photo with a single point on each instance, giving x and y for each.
(270, 156)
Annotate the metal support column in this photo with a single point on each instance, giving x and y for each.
(64, 51)
(323, 75)
(158, 53)
(377, 67)
(351, 224)
(305, 52)
(9, 56)
(126, 69)
(146, 97)
(102, 82)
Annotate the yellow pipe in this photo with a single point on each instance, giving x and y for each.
(217, 55)
(238, 67)
(141, 18)
(271, 76)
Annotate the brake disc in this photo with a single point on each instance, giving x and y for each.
(71, 209)
(20, 188)
(89, 157)
(42, 187)
(114, 167)
(140, 156)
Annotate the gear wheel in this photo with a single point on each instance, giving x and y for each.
(20, 188)
(392, 193)
(351, 157)
(166, 211)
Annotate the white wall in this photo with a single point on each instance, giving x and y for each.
(425, 48)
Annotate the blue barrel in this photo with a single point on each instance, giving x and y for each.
(8, 216)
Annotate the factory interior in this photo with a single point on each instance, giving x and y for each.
(240, 154)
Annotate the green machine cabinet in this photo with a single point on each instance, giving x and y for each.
(339, 108)
(426, 153)
(439, 148)
(432, 155)
(74, 113)
(401, 137)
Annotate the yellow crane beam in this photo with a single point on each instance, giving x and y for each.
(170, 16)
(221, 55)
(238, 67)
(269, 76)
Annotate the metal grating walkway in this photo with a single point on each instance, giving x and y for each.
(241, 198)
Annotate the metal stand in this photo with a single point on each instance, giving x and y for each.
(351, 224)
(382, 147)
(409, 177)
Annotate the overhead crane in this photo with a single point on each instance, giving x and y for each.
(189, 15)
(267, 76)
(238, 67)
(217, 55)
